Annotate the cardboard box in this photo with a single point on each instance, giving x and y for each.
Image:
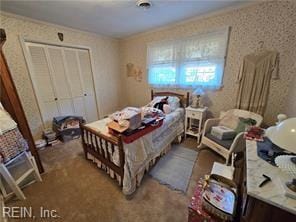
(223, 133)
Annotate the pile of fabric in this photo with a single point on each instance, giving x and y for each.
(11, 140)
(6, 122)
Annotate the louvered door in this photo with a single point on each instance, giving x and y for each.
(60, 80)
(76, 87)
(63, 81)
(88, 85)
(42, 83)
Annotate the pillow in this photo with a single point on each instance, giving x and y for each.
(173, 102)
(243, 124)
(157, 99)
(229, 121)
(166, 109)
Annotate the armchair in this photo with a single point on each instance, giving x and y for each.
(227, 147)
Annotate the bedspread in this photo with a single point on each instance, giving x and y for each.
(139, 153)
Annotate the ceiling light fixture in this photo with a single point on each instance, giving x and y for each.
(145, 4)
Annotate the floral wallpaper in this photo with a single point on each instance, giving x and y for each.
(104, 53)
(290, 108)
(271, 22)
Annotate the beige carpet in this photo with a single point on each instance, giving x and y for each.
(79, 191)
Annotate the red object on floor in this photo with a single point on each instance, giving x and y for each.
(195, 211)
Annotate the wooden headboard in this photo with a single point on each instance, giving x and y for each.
(184, 100)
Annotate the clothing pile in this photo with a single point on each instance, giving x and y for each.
(12, 142)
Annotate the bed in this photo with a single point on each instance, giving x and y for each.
(127, 163)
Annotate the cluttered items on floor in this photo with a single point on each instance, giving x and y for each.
(220, 197)
(50, 137)
(215, 196)
(212, 201)
(67, 127)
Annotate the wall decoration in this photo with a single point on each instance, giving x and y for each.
(61, 36)
(133, 71)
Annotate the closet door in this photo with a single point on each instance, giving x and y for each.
(42, 83)
(88, 85)
(73, 75)
(61, 84)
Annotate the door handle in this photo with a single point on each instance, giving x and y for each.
(85, 94)
(55, 99)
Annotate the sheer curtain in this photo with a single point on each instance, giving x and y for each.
(196, 61)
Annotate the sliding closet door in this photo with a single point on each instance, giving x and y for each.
(61, 84)
(88, 85)
(73, 75)
(42, 83)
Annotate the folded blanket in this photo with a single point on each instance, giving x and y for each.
(6, 122)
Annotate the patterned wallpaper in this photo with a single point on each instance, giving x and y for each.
(105, 58)
(274, 23)
(271, 22)
(291, 99)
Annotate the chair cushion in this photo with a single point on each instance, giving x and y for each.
(229, 121)
(225, 143)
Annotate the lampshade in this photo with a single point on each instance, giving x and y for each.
(199, 92)
(284, 134)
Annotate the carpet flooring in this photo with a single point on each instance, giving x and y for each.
(79, 191)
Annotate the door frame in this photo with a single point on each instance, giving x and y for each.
(23, 39)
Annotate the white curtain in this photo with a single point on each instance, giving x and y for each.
(196, 61)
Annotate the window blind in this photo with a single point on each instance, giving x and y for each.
(196, 61)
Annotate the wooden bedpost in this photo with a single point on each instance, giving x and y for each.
(11, 102)
(152, 95)
(187, 99)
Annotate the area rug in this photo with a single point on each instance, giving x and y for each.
(175, 168)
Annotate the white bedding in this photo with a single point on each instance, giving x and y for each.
(140, 152)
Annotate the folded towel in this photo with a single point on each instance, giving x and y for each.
(6, 122)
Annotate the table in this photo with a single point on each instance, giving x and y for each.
(268, 202)
(194, 114)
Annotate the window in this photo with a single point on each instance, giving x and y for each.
(193, 62)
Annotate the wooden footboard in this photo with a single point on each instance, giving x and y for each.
(103, 149)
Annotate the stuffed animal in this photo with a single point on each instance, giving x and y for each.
(160, 105)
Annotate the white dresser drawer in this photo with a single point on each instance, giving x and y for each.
(193, 115)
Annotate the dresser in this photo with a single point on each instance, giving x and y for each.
(267, 203)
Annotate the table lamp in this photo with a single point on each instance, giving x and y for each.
(284, 136)
(196, 97)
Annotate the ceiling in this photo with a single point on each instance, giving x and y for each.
(115, 18)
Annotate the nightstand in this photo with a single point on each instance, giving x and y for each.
(194, 119)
